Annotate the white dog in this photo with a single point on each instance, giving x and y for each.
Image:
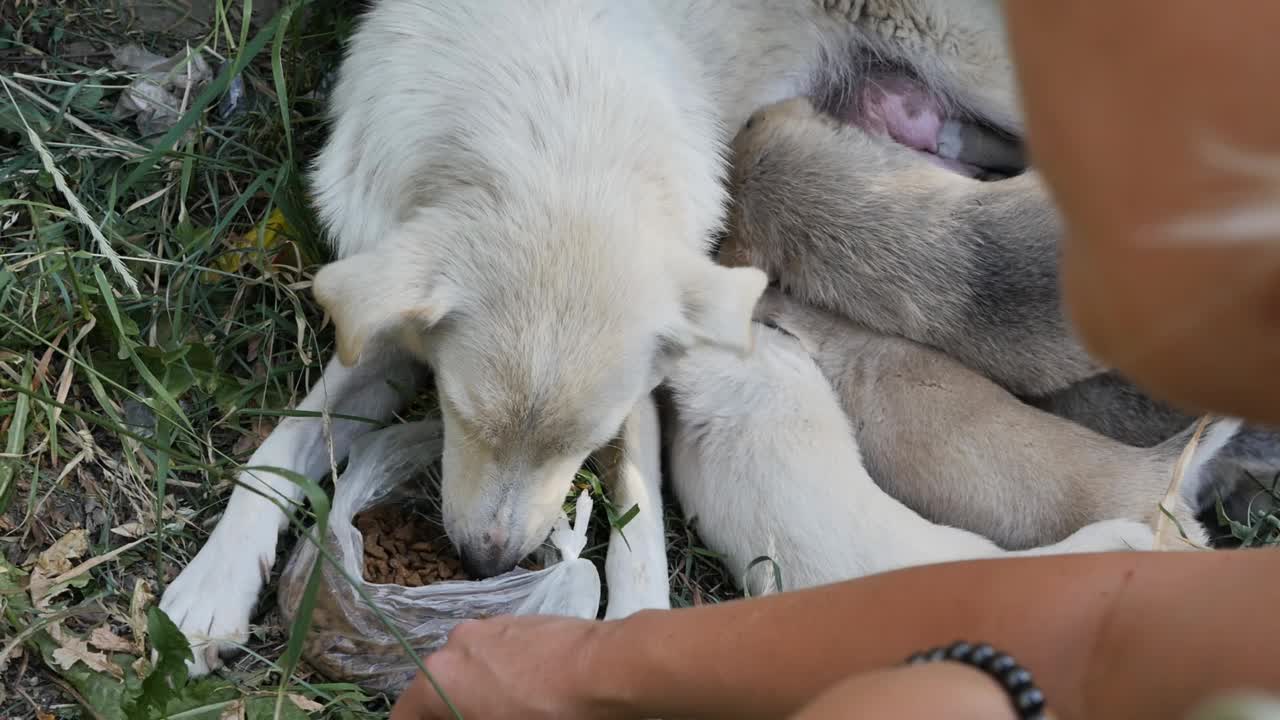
(522, 197)
(764, 458)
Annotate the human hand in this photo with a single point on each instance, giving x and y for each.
(525, 667)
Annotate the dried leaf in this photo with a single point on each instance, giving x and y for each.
(130, 530)
(57, 558)
(138, 604)
(72, 650)
(274, 232)
(305, 704)
(41, 584)
(234, 711)
(103, 639)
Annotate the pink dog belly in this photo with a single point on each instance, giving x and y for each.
(902, 109)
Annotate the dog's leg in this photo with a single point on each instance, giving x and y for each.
(211, 600)
(636, 566)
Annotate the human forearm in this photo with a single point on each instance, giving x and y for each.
(1112, 651)
(1122, 109)
(766, 658)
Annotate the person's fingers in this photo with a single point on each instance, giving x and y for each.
(419, 701)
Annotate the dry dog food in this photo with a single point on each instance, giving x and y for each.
(401, 547)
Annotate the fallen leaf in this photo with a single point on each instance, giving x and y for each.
(130, 530)
(41, 584)
(103, 639)
(273, 232)
(138, 604)
(141, 667)
(57, 558)
(234, 711)
(72, 650)
(305, 704)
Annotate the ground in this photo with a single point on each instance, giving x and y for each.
(154, 320)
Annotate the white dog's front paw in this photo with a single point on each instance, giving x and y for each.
(212, 599)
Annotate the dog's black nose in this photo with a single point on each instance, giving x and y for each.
(485, 564)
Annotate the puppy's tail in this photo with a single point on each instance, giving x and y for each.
(1198, 473)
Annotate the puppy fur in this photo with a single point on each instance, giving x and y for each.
(764, 460)
(855, 224)
(861, 226)
(523, 200)
(963, 451)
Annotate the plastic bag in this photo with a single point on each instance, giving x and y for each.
(347, 641)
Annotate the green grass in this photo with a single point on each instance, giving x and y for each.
(155, 322)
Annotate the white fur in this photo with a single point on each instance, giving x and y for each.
(764, 459)
(522, 198)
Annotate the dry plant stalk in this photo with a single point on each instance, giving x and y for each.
(1167, 534)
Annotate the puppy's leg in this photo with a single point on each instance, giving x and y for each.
(1102, 536)
(212, 599)
(1113, 406)
(636, 565)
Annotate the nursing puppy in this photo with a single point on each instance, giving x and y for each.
(523, 199)
(845, 220)
(765, 460)
(963, 451)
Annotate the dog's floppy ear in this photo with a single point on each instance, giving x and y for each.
(718, 302)
(368, 294)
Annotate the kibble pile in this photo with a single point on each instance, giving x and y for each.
(403, 547)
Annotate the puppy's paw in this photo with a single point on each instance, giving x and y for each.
(1104, 536)
(212, 599)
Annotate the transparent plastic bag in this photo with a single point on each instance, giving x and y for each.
(347, 641)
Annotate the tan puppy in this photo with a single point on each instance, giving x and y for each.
(963, 451)
(762, 457)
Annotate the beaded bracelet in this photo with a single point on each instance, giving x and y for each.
(1028, 700)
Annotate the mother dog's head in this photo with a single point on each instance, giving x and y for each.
(543, 335)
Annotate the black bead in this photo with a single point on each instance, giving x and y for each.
(981, 654)
(1016, 679)
(1029, 701)
(1001, 664)
(959, 650)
